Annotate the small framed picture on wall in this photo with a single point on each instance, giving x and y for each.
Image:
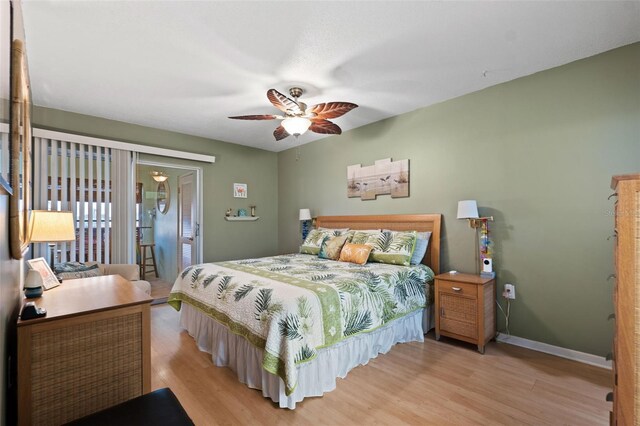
(240, 190)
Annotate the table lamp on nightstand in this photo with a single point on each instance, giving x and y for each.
(33, 284)
(305, 218)
(51, 227)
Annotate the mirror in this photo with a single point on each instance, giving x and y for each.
(19, 203)
(5, 89)
(162, 197)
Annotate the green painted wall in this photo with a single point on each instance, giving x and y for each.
(537, 153)
(258, 168)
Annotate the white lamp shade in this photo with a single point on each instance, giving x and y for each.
(468, 209)
(305, 214)
(296, 126)
(51, 226)
(33, 279)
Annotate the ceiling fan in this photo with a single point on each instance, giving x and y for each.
(298, 117)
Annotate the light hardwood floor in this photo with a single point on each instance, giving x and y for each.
(433, 382)
(160, 289)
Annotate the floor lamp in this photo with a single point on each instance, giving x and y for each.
(468, 209)
(51, 227)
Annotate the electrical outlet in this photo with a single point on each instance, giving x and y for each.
(509, 291)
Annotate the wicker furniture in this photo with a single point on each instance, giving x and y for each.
(90, 352)
(626, 297)
(465, 308)
(128, 271)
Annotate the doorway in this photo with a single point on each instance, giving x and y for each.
(168, 218)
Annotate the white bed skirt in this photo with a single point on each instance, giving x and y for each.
(315, 377)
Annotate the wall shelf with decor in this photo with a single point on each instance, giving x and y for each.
(241, 218)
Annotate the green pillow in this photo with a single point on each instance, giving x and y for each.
(367, 237)
(393, 247)
(312, 243)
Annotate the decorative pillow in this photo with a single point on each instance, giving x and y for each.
(334, 231)
(394, 247)
(355, 253)
(365, 236)
(422, 244)
(73, 270)
(332, 246)
(312, 243)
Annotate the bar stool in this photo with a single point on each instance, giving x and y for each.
(144, 258)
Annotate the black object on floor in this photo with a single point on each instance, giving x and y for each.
(157, 408)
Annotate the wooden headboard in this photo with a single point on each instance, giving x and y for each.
(395, 222)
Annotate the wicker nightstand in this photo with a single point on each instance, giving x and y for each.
(90, 352)
(466, 308)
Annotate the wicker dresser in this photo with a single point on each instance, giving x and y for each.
(90, 352)
(626, 352)
(465, 308)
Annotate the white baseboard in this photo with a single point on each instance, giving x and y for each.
(583, 357)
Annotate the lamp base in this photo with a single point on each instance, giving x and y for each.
(33, 292)
(305, 229)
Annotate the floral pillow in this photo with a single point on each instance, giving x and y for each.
(393, 247)
(355, 253)
(332, 246)
(367, 236)
(73, 270)
(312, 243)
(335, 231)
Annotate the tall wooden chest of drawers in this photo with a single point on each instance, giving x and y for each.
(626, 298)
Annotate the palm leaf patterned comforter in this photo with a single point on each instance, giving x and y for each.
(292, 305)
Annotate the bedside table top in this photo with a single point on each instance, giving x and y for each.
(85, 295)
(463, 278)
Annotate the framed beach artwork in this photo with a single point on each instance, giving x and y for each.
(240, 190)
(384, 177)
(49, 279)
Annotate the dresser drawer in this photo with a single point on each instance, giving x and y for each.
(463, 289)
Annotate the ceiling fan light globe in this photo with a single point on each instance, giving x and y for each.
(296, 126)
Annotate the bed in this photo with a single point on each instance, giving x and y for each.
(290, 325)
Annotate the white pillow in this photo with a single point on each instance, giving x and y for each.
(422, 244)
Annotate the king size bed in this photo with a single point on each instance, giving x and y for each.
(290, 325)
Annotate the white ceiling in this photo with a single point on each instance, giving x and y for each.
(187, 66)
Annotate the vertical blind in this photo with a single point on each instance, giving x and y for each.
(96, 184)
(4, 154)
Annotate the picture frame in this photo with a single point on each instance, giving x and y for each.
(384, 177)
(21, 140)
(240, 190)
(49, 279)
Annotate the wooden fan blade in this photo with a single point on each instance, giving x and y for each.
(255, 117)
(280, 133)
(331, 109)
(325, 127)
(283, 103)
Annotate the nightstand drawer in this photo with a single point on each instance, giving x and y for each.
(463, 289)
